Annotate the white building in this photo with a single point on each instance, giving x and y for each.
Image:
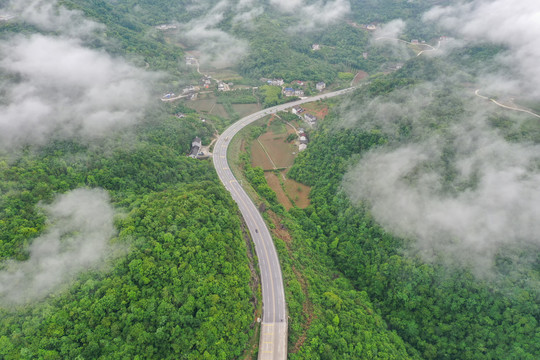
(275, 82)
(310, 119)
(320, 86)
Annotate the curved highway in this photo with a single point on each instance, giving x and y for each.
(273, 340)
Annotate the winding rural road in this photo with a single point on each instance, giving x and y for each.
(430, 48)
(273, 340)
(477, 93)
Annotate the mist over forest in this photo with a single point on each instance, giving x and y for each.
(461, 189)
(406, 227)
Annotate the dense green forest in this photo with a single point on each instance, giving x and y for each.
(274, 49)
(184, 277)
(182, 283)
(443, 312)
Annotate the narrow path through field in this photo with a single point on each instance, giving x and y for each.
(267, 154)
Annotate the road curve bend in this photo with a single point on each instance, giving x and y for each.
(273, 339)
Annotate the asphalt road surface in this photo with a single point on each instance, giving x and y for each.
(273, 340)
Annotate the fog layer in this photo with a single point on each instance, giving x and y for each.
(55, 87)
(453, 184)
(80, 224)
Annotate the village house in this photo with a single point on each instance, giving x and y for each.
(320, 86)
(288, 91)
(310, 119)
(297, 110)
(188, 89)
(303, 139)
(206, 82)
(190, 60)
(315, 47)
(302, 147)
(275, 82)
(299, 93)
(299, 83)
(196, 146)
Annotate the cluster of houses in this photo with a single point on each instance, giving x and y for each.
(303, 139)
(191, 60)
(224, 86)
(293, 92)
(290, 91)
(275, 82)
(206, 81)
(310, 119)
(190, 92)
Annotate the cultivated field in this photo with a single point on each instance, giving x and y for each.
(273, 141)
(245, 109)
(208, 106)
(275, 183)
(299, 193)
(281, 154)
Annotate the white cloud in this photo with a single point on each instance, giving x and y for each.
(457, 188)
(47, 15)
(514, 24)
(80, 226)
(314, 14)
(218, 48)
(56, 87)
(66, 90)
(391, 30)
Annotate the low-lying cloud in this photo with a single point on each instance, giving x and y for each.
(62, 89)
(48, 16)
(504, 22)
(500, 209)
(218, 48)
(456, 187)
(314, 14)
(76, 239)
(452, 183)
(55, 87)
